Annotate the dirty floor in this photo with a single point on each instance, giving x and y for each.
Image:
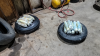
(45, 42)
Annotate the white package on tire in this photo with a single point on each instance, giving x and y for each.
(25, 21)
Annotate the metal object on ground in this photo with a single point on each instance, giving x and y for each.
(58, 3)
(72, 27)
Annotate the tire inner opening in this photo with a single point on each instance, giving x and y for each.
(3, 29)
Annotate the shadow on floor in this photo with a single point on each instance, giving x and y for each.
(17, 45)
(16, 51)
(96, 7)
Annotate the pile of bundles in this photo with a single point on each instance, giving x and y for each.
(25, 21)
(72, 27)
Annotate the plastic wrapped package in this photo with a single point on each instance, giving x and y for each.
(72, 27)
(26, 20)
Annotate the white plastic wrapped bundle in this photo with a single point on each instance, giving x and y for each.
(65, 27)
(79, 27)
(70, 27)
(25, 21)
(75, 26)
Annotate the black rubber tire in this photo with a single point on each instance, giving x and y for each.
(3, 47)
(97, 2)
(27, 30)
(72, 39)
(74, 1)
(7, 37)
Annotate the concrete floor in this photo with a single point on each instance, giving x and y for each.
(44, 42)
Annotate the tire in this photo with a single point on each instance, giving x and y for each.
(97, 3)
(7, 37)
(74, 1)
(33, 27)
(72, 39)
(3, 47)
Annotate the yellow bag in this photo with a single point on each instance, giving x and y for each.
(58, 3)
